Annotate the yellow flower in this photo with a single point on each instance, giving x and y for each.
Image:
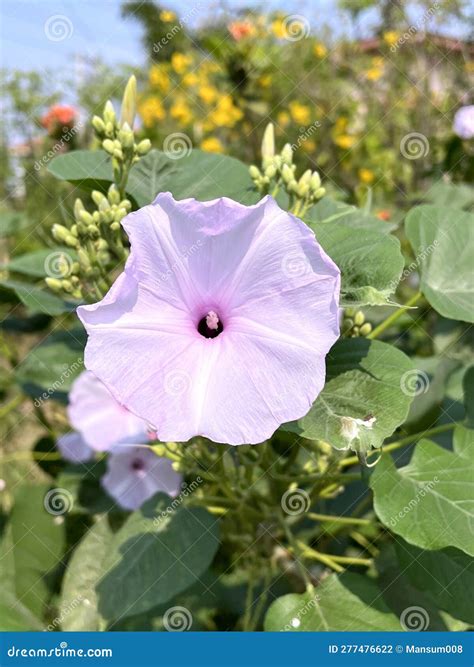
(366, 176)
(190, 79)
(166, 16)
(283, 118)
(374, 73)
(159, 78)
(345, 141)
(225, 114)
(300, 113)
(151, 110)
(279, 29)
(390, 37)
(265, 81)
(212, 145)
(309, 146)
(180, 62)
(207, 93)
(341, 124)
(181, 112)
(378, 61)
(319, 50)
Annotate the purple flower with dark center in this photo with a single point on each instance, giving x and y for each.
(98, 417)
(135, 474)
(74, 448)
(463, 124)
(221, 321)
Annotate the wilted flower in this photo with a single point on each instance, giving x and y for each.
(463, 124)
(135, 474)
(74, 448)
(95, 413)
(221, 321)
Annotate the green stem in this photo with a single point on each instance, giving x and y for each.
(326, 559)
(295, 546)
(339, 519)
(8, 407)
(394, 317)
(353, 460)
(27, 456)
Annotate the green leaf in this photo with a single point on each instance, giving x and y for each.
(37, 546)
(447, 575)
(13, 222)
(41, 263)
(344, 603)
(370, 262)
(152, 557)
(91, 170)
(441, 239)
(459, 195)
(363, 379)
(49, 369)
(38, 300)
(200, 175)
(78, 608)
(328, 211)
(15, 617)
(463, 441)
(428, 502)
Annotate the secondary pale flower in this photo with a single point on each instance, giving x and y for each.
(74, 448)
(135, 474)
(463, 124)
(98, 417)
(221, 321)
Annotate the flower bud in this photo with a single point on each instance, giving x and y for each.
(59, 232)
(101, 244)
(315, 181)
(143, 147)
(108, 146)
(66, 285)
(359, 318)
(109, 113)
(320, 192)
(286, 174)
(78, 207)
(306, 178)
(85, 217)
(118, 154)
(98, 197)
(268, 145)
(119, 214)
(270, 171)
(113, 194)
(254, 172)
(98, 125)
(71, 241)
(126, 204)
(287, 154)
(54, 284)
(84, 258)
(129, 103)
(365, 329)
(115, 226)
(125, 136)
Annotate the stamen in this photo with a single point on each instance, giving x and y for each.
(212, 320)
(210, 325)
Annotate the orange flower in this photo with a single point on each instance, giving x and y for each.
(241, 29)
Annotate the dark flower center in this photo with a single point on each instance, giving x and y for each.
(210, 325)
(137, 465)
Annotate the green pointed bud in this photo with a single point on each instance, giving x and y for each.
(347, 325)
(268, 145)
(109, 130)
(320, 192)
(115, 226)
(350, 312)
(306, 178)
(125, 136)
(119, 214)
(96, 217)
(286, 174)
(365, 329)
(66, 285)
(75, 268)
(118, 153)
(101, 244)
(78, 207)
(143, 147)
(83, 258)
(270, 171)
(85, 217)
(98, 125)
(93, 230)
(71, 241)
(355, 332)
(109, 113)
(77, 293)
(277, 161)
(113, 194)
(59, 232)
(97, 197)
(302, 189)
(126, 204)
(287, 154)
(359, 318)
(54, 284)
(292, 186)
(73, 230)
(129, 103)
(254, 172)
(108, 146)
(315, 181)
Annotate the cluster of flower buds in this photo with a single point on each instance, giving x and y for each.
(278, 170)
(354, 324)
(117, 136)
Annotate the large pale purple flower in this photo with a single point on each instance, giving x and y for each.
(98, 417)
(463, 124)
(221, 321)
(135, 474)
